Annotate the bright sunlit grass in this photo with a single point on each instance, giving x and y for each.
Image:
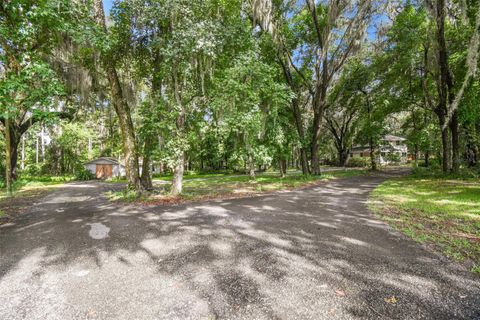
(27, 184)
(432, 209)
(208, 186)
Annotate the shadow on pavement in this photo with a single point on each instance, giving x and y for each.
(308, 254)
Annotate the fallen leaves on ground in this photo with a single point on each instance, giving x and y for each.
(391, 300)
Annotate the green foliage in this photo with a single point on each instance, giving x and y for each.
(84, 175)
(31, 30)
(393, 157)
(35, 181)
(32, 169)
(358, 162)
(247, 104)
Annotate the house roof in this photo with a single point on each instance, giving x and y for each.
(100, 159)
(390, 137)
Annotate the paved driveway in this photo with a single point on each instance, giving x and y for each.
(308, 254)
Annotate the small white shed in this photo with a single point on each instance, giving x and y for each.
(105, 167)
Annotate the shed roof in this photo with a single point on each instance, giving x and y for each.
(390, 137)
(102, 159)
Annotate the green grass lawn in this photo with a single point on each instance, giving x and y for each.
(230, 185)
(169, 177)
(440, 211)
(26, 183)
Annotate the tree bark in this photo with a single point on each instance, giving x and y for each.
(415, 150)
(445, 85)
(23, 152)
(444, 132)
(455, 143)
(12, 141)
(315, 158)
(8, 159)
(301, 134)
(146, 176)
(373, 162)
(250, 162)
(122, 110)
(342, 157)
(297, 114)
(251, 166)
(177, 182)
(283, 167)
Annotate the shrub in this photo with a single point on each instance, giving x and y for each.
(358, 162)
(32, 169)
(84, 175)
(393, 157)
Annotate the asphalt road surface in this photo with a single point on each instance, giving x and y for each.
(307, 254)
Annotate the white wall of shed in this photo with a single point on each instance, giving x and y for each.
(92, 167)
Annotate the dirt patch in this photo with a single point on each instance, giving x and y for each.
(15, 206)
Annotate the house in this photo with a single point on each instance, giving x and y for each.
(392, 150)
(108, 167)
(105, 167)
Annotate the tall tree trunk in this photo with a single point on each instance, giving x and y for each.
(146, 176)
(445, 151)
(415, 150)
(445, 85)
(444, 131)
(342, 157)
(373, 162)
(455, 143)
(14, 142)
(251, 166)
(297, 113)
(123, 111)
(23, 152)
(150, 139)
(283, 167)
(8, 158)
(250, 162)
(301, 133)
(177, 182)
(317, 123)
